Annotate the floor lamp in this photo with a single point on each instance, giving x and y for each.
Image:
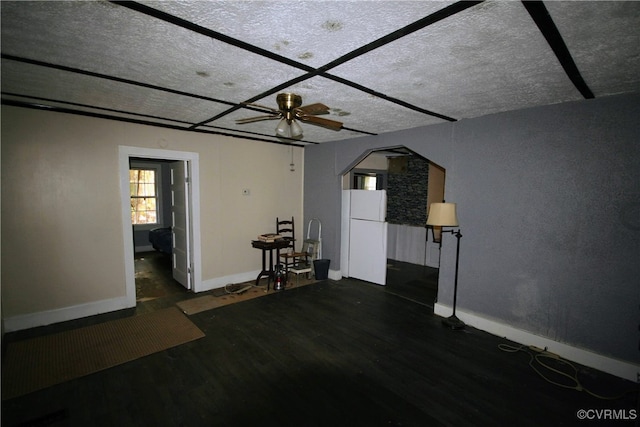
(444, 215)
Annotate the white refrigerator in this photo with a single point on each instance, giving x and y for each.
(365, 235)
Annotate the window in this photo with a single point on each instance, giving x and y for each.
(370, 182)
(367, 181)
(145, 203)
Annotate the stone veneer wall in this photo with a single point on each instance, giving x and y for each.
(407, 193)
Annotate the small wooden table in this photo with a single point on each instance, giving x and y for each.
(269, 247)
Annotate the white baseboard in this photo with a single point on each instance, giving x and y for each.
(48, 317)
(619, 368)
(335, 274)
(220, 282)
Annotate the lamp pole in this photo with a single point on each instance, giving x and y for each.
(444, 215)
(452, 321)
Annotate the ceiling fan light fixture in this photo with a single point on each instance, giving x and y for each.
(288, 129)
(296, 129)
(290, 113)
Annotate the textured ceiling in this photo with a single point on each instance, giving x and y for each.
(380, 66)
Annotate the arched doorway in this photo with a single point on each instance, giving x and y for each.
(409, 183)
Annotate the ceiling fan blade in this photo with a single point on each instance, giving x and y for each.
(313, 109)
(257, 119)
(262, 107)
(319, 121)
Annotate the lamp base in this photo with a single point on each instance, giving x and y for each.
(453, 322)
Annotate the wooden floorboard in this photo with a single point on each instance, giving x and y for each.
(327, 354)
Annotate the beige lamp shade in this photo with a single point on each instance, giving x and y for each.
(443, 215)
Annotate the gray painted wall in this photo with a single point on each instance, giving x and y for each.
(549, 207)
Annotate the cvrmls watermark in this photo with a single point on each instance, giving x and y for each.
(607, 414)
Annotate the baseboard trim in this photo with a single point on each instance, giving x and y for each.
(220, 282)
(48, 317)
(335, 274)
(616, 367)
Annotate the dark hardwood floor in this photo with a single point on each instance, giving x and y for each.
(334, 353)
(413, 282)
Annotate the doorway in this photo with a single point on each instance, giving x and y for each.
(191, 231)
(152, 217)
(411, 183)
(154, 277)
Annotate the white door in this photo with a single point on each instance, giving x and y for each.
(181, 254)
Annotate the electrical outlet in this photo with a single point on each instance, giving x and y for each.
(246, 192)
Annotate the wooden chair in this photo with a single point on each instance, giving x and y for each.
(289, 257)
(304, 267)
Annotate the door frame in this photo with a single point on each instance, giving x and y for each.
(124, 155)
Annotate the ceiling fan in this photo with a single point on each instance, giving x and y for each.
(290, 110)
